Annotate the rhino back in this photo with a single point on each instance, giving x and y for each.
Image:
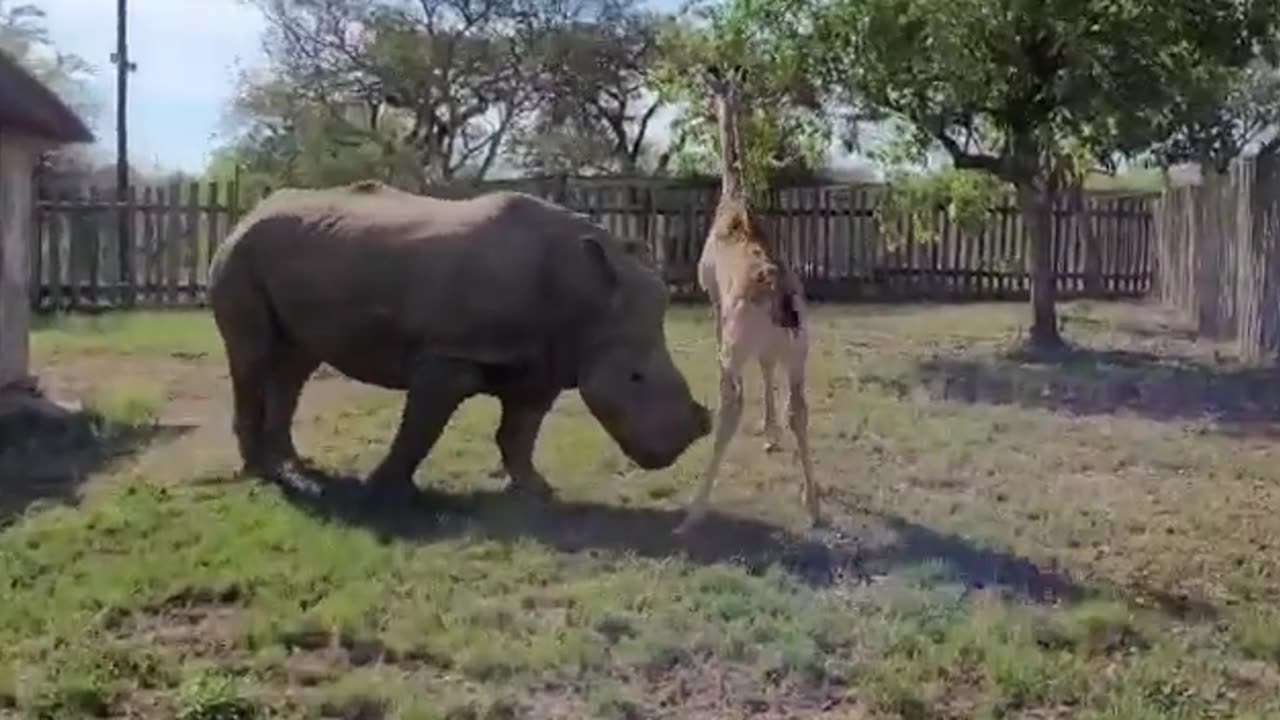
(368, 280)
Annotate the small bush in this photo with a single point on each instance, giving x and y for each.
(127, 405)
(1258, 637)
(1094, 628)
(213, 695)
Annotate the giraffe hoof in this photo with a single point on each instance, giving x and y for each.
(772, 446)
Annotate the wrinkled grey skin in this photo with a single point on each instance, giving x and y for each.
(505, 294)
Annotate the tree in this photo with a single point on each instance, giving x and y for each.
(436, 84)
(1033, 92)
(24, 36)
(784, 129)
(595, 110)
(1228, 115)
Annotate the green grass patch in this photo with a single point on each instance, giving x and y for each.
(127, 404)
(1258, 636)
(214, 695)
(141, 333)
(223, 599)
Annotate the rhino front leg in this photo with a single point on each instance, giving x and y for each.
(516, 437)
(438, 387)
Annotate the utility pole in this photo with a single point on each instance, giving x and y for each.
(124, 235)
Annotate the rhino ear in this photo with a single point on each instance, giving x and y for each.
(601, 256)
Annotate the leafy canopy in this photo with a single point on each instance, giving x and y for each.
(783, 128)
(1035, 89)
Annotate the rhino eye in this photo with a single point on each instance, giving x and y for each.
(637, 376)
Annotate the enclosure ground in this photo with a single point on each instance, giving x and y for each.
(1092, 536)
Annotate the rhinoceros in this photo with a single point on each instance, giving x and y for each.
(504, 294)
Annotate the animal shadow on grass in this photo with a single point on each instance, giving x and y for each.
(1242, 401)
(819, 559)
(47, 452)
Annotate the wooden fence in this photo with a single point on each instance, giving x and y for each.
(80, 261)
(829, 233)
(1217, 256)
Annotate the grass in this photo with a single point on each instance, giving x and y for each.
(997, 551)
(143, 332)
(127, 404)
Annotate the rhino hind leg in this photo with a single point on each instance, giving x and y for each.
(247, 423)
(436, 390)
(246, 343)
(290, 370)
(516, 437)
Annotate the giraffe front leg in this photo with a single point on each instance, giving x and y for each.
(729, 415)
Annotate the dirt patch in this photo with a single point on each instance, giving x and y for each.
(708, 688)
(197, 622)
(195, 394)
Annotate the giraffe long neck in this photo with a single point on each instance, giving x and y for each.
(732, 177)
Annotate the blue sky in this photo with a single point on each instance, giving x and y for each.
(187, 53)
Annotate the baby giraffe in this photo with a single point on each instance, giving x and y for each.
(757, 302)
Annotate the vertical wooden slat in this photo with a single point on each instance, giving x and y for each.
(1131, 247)
(136, 257)
(985, 249)
(150, 196)
(93, 245)
(939, 285)
(171, 242)
(1144, 227)
(1121, 249)
(35, 253)
(1011, 241)
(57, 264)
(831, 274)
(987, 252)
(191, 246)
(955, 261)
(1097, 229)
(989, 255)
(973, 253)
(125, 249)
(214, 221)
(1113, 253)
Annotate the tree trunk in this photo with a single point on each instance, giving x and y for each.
(1035, 202)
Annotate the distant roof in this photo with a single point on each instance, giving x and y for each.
(29, 105)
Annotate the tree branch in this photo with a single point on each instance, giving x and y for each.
(965, 160)
(641, 129)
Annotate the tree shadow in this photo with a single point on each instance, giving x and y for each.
(47, 452)
(1240, 400)
(820, 558)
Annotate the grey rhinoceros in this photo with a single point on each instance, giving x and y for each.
(504, 294)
